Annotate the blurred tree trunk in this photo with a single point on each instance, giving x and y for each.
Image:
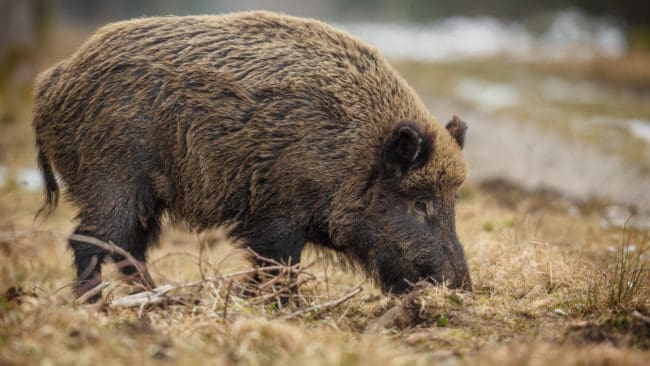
(20, 25)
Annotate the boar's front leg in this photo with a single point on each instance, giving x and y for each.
(279, 240)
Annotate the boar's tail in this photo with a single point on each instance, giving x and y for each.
(50, 185)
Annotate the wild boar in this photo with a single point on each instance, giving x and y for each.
(282, 128)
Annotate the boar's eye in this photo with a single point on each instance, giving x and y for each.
(421, 206)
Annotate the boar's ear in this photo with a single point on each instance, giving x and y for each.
(407, 148)
(457, 129)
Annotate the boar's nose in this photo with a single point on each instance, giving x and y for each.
(462, 278)
(465, 282)
(457, 275)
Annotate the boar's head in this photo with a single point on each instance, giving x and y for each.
(406, 231)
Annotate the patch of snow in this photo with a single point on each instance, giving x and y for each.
(485, 95)
(29, 179)
(570, 34)
(451, 39)
(640, 128)
(560, 90)
(573, 35)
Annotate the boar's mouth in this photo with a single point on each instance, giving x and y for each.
(396, 273)
(398, 243)
(454, 274)
(448, 274)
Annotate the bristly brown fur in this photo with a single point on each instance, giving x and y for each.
(270, 123)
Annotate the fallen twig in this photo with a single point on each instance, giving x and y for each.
(92, 292)
(638, 315)
(326, 305)
(225, 301)
(154, 296)
(250, 271)
(114, 249)
(274, 281)
(14, 235)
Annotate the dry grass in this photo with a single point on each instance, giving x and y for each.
(547, 290)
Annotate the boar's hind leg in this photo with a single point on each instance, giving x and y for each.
(88, 260)
(132, 223)
(141, 238)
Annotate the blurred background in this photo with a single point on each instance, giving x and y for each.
(556, 93)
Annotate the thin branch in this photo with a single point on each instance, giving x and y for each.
(154, 296)
(92, 292)
(326, 305)
(114, 249)
(225, 301)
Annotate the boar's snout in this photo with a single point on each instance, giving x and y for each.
(455, 271)
(443, 262)
(399, 266)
